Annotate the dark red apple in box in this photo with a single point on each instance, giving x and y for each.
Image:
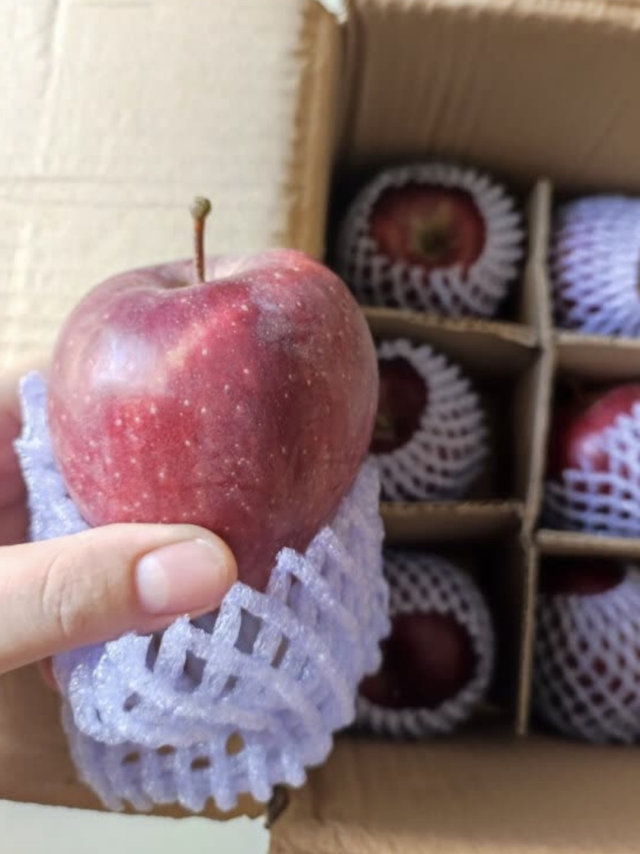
(428, 225)
(241, 399)
(587, 651)
(402, 399)
(580, 577)
(427, 659)
(578, 427)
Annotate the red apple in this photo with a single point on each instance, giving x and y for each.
(241, 399)
(428, 658)
(428, 225)
(587, 652)
(402, 399)
(580, 577)
(576, 440)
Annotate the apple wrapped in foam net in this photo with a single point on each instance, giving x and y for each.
(458, 265)
(231, 703)
(446, 452)
(601, 501)
(587, 661)
(594, 266)
(427, 584)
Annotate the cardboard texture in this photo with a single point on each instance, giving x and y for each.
(126, 110)
(118, 114)
(482, 792)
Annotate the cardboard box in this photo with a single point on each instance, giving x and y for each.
(126, 111)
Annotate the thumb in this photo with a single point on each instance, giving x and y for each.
(72, 591)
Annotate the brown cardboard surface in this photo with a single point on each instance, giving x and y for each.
(439, 521)
(527, 88)
(491, 348)
(119, 113)
(597, 358)
(568, 543)
(483, 793)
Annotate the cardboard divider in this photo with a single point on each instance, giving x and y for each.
(436, 521)
(597, 358)
(576, 544)
(531, 427)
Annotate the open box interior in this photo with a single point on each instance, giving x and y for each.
(543, 95)
(534, 95)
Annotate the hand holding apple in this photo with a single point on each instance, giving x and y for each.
(236, 393)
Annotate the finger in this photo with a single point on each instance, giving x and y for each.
(72, 591)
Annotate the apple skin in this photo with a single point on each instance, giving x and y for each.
(580, 577)
(577, 428)
(402, 399)
(428, 225)
(427, 659)
(244, 404)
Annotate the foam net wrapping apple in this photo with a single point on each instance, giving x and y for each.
(430, 440)
(587, 662)
(432, 237)
(150, 718)
(594, 266)
(442, 671)
(603, 494)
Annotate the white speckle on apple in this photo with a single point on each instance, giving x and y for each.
(162, 475)
(117, 475)
(63, 417)
(283, 448)
(153, 409)
(244, 307)
(187, 442)
(186, 402)
(118, 422)
(246, 371)
(133, 461)
(204, 351)
(137, 419)
(227, 388)
(203, 410)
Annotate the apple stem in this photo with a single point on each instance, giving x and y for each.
(199, 211)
